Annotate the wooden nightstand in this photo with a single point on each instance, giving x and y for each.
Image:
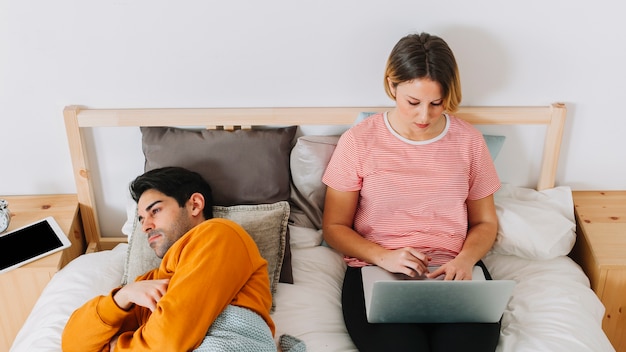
(601, 252)
(20, 288)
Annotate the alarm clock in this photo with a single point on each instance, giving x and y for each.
(5, 215)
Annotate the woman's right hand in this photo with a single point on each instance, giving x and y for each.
(406, 260)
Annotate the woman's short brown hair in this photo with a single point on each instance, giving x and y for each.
(418, 56)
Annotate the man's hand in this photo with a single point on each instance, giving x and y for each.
(145, 293)
(113, 342)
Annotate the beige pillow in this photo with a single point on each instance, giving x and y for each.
(266, 224)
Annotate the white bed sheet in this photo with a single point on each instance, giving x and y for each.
(83, 278)
(552, 308)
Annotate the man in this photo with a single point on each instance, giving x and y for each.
(208, 265)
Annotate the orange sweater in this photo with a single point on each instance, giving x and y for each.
(213, 265)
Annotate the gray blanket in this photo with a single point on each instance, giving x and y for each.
(239, 329)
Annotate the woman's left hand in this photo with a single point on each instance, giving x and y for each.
(456, 269)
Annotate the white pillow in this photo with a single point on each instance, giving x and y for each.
(131, 217)
(535, 224)
(309, 158)
(304, 237)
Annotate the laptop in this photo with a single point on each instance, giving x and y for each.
(397, 298)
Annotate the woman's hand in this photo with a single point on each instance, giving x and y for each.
(483, 228)
(407, 260)
(146, 293)
(456, 269)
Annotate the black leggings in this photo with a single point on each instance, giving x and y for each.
(479, 337)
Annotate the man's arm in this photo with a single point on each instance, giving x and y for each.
(92, 326)
(146, 293)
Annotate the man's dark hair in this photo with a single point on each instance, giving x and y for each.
(176, 182)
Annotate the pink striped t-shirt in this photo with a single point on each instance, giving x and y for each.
(412, 193)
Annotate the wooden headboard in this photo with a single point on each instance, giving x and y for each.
(77, 119)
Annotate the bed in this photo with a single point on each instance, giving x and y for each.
(552, 307)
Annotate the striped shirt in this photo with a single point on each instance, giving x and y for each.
(412, 193)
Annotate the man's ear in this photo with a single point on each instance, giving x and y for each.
(196, 202)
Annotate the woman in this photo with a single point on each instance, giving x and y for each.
(413, 188)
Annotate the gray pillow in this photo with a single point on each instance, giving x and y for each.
(266, 224)
(242, 166)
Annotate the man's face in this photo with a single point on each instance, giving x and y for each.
(163, 220)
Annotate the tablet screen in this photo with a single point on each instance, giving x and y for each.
(27, 243)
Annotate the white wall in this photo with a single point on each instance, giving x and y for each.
(160, 53)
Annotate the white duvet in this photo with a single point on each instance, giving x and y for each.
(552, 307)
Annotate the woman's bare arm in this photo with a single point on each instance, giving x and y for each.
(339, 210)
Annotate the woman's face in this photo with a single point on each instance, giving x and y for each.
(419, 109)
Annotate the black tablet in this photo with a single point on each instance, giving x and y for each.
(30, 243)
